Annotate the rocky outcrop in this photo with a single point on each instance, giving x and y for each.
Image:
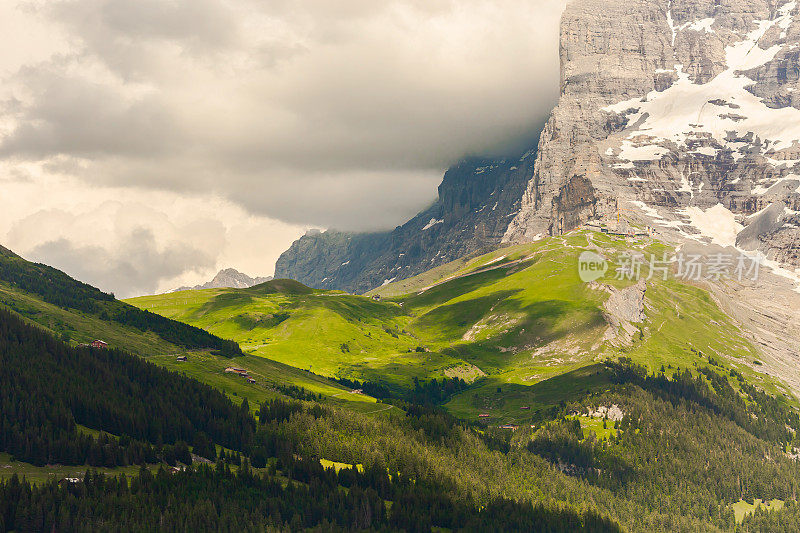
(626, 305)
(623, 309)
(771, 230)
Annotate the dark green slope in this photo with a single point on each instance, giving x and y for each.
(75, 309)
(48, 388)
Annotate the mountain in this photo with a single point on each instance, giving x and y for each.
(229, 277)
(476, 199)
(483, 382)
(671, 108)
(677, 115)
(662, 434)
(681, 115)
(676, 107)
(78, 312)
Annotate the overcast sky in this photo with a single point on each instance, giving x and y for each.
(145, 144)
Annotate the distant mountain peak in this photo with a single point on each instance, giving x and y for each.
(228, 278)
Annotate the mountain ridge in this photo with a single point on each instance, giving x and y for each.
(454, 226)
(72, 309)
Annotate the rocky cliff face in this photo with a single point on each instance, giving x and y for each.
(668, 105)
(477, 199)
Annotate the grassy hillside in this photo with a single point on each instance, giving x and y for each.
(273, 380)
(692, 447)
(326, 332)
(80, 326)
(79, 313)
(511, 318)
(71, 308)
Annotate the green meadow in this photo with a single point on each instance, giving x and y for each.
(518, 323)
(79, 327)
(743, 508)
(271, 380)
(43, 474)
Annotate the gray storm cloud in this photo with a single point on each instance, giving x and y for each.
(138, 271)
(339, 114)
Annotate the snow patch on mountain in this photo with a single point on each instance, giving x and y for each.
(432, 223)
(688, 113)
(717, 223)
(700, 25)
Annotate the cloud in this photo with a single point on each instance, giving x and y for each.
(139, 269)
(75, 116)
(336, 114)
(133, 241)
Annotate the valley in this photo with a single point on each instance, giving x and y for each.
(498, 376)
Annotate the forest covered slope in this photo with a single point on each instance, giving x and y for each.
(77, 311)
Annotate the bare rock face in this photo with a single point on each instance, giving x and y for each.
(622, 310)
(477, 198)
(627, 305)
(672, 104)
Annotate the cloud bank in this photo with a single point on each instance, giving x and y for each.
(334, 114)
